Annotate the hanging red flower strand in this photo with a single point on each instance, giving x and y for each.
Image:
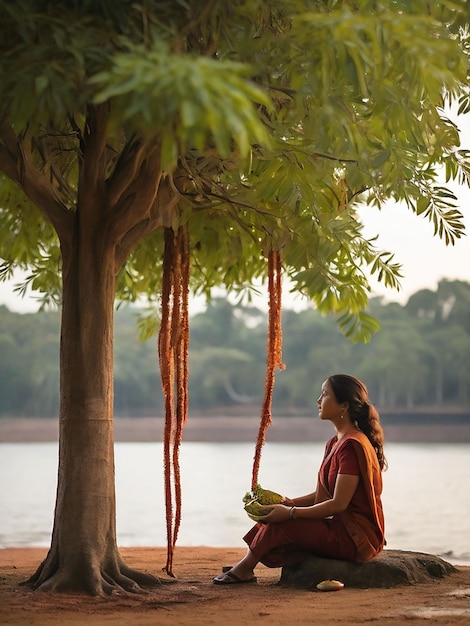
(173, 344)
(273, 355)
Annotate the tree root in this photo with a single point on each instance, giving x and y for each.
(85, 575)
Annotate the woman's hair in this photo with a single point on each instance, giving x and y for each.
(362, 413)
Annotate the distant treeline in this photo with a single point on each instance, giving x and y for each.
(420, 357)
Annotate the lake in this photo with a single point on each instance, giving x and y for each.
(426, 493)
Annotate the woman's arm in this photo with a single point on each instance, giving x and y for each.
(345, 487)
(307, 500)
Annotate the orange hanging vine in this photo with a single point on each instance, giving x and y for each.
(273, 356)
(173, 343)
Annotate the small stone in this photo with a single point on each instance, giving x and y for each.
(330, 585)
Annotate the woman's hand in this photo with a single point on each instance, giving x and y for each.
(276, 513)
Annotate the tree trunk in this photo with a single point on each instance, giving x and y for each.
(84, 554)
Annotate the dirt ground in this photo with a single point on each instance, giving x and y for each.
(193, 599)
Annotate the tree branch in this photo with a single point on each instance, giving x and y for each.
(16, 162)
(164, 204)
(91, 199)
(43, 149)
(125, 169)
(135, 204)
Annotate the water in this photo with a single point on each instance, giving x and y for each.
(426, 494)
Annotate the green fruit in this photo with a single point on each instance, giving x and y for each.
(254, 508)
(247, 497)
(255, 511)
(254, 499)
(265, 496)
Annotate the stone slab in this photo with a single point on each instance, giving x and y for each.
(389, 569)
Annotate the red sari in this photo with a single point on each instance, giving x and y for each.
(356, 534)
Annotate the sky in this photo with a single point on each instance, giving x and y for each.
(425, 258)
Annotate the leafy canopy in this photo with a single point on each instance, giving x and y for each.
(273, 120)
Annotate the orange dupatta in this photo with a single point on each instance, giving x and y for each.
(368, 537)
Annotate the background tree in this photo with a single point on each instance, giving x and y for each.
(11, 372)
(256, 125)
(137, 388)
(227, 364)
(29, 364)
(392, 363)
(444, 322)
(399, 358)
(312, 345)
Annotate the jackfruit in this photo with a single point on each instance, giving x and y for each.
(253, 499)
(254, 510)
(265, 496)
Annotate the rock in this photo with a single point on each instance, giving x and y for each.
(390, 568)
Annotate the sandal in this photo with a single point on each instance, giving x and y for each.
(229, 578)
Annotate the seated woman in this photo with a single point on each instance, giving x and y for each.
(343, 518)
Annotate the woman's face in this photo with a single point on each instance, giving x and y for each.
(328, 406)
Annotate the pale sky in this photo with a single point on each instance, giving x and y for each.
(425, 258)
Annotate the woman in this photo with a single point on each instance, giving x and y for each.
(343, 518)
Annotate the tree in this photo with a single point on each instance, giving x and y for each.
(228, 355)
(255, 126)
(393, 364)
(444, 321)
(136, 378)
(312, 346)
(29, 372)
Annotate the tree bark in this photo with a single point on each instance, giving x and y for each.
(84, 554)
(113, 212)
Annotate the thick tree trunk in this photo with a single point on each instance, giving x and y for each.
(84, 554)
